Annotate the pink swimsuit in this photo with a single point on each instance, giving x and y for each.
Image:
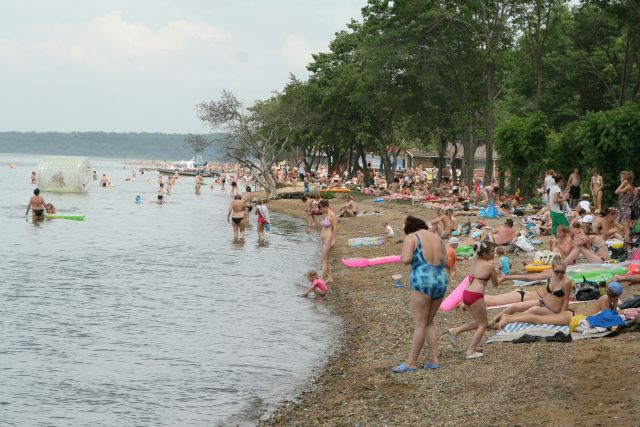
(319, 283)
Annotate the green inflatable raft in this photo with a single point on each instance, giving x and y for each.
(70, 217)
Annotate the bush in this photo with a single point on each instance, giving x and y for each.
(327, 195)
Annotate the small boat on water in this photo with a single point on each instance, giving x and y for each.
(188, 168)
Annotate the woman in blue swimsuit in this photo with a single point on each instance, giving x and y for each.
(426, 253)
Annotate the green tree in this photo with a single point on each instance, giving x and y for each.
(522, 143)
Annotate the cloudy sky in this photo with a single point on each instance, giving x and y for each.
(142, 65)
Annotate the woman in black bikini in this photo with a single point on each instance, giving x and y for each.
(37, 206)
(237, 213)
(554, 302)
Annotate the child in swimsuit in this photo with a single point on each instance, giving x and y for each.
(316, 285)
(483, 270)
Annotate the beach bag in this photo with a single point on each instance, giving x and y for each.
(523, 244)
(568, 213)
(545, 257)
(587, 290)
(618, 254)
(633, 302)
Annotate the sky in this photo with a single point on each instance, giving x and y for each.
(143, 65)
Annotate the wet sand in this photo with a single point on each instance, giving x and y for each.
(587, 382)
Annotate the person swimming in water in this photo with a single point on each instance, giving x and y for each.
(50, 208)
(37, 206)
(33, 177)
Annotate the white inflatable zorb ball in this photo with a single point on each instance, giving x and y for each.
(64, 174)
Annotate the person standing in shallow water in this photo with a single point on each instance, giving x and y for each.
(263, 220)
(328, 232)
(236, 215)
(426, 253)
(37, 206)
(248, 201)
(198, 182)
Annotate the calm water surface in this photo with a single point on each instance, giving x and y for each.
(147, 314)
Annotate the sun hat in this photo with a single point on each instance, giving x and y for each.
(454, 241)
(587, 219)
(616, 288)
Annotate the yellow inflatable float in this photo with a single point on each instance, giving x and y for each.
(536, 267)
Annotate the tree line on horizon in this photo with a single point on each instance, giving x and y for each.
(132, 145)
(547, 83)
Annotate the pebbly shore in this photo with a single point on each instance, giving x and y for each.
(587, 382)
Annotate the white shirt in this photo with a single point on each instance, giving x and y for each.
(556, 207)
(585, 204)
(549, 182)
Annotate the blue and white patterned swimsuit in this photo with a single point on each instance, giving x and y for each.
(426, 278)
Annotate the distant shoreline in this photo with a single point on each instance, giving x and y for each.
(130, 145)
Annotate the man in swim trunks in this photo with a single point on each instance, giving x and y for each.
(37, 206)
(350, 209)
(104, 181)
(573, 187)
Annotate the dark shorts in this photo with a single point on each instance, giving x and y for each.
(159, 197)
(38, 212)
(574, 192)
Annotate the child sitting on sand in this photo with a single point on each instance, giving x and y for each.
(388, 232)
(316, 285)
(505, 262)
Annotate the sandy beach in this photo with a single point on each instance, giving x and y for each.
(586, 382)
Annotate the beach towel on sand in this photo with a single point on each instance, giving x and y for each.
(518, 329)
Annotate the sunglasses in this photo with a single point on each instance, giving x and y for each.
(559, 271)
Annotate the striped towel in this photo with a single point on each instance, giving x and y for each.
(520, 326)
(515, 330)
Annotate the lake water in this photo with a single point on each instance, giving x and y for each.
(147, 314)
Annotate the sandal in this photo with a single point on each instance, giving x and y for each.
(431, 365)
(402, 368)
(475, 355)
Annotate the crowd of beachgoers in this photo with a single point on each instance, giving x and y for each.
(581, 231)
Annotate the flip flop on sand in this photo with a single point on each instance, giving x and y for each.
(475, 355)
(402, 368)
(431, 365)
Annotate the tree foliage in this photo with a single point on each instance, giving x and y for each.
(523, 143)
(428, 73)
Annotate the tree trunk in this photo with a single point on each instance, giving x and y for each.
(469, 144)
(501, 173)
(488, 121)
(454, 171)
(442, 151)
(386, 162)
